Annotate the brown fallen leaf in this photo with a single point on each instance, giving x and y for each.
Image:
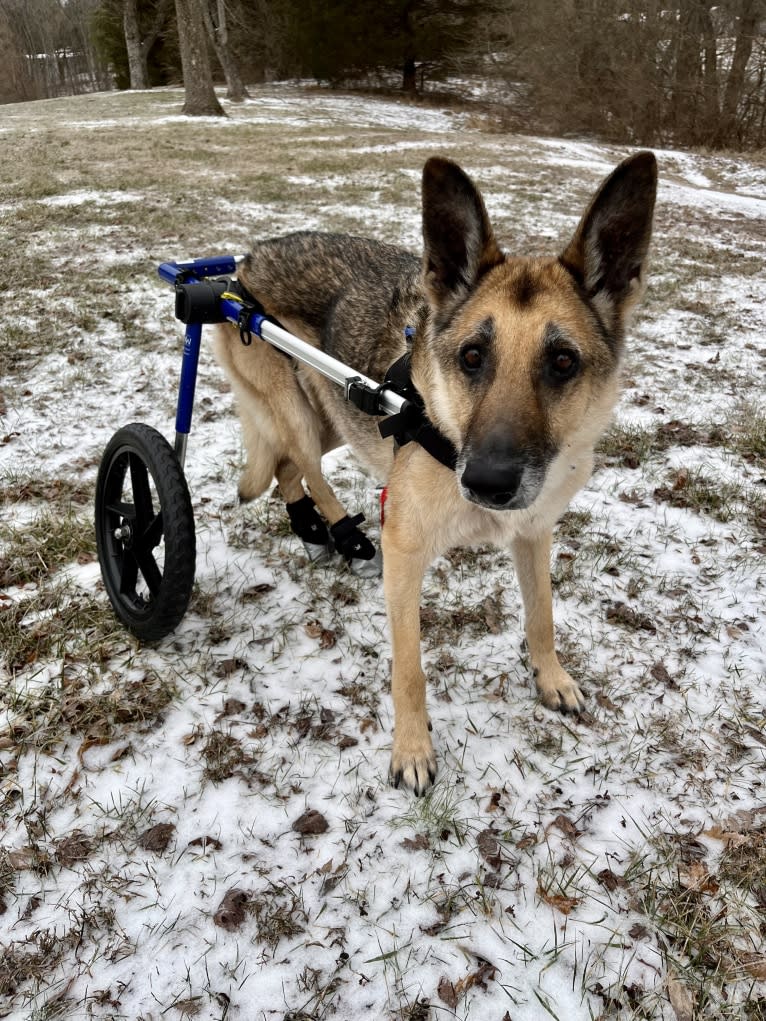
(226, 667)
(755, 965)
(417, 843)
(696, 877)
(559, 901)
(494, 802)
(232, 707)
(446, 991)
(610, 879)
(451, 992)
(310, 823)
(24, 858)
(188, 1008)
(326, 637)
(681, 999)
(620, 613)
(206, 843)
(256, 592)
(157, 838)
(189, 739)
(76, 847)
(494, 616)
(330, 882)
(565, 825)
(231, 911)
(489, 848)
(660, 673)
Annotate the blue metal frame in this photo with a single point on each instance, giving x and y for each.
(193, 272)
(366, 394)
(221, 266)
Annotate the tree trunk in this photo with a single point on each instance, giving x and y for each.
(136, 60)
(750, 13)
(201, 100)
(409, 76)
(138, 48)
(218, 34)
(407, 29)
(688, 71)
(712, 111)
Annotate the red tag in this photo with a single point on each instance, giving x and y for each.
(383, 498)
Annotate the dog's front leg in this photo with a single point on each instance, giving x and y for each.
(556, 688)
(413, 762)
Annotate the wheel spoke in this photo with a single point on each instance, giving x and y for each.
(123, 510)
(142, 494)
(153, 534)
(151, 572)
(128, 574)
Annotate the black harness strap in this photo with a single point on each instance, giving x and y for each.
(250, 305)
(412, 424)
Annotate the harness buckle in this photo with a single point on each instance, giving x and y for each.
(243, 325)
(362, 396)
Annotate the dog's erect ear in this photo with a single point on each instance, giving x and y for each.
(459, 245)
(608, 251)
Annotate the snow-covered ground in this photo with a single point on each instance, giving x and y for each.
(612, 865)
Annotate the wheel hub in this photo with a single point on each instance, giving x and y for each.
(124, 534)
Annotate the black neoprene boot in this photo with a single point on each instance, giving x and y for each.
(307, 525)
(360, 554)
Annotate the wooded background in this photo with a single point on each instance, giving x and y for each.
(689, 72)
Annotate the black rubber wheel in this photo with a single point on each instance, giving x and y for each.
(145, 532)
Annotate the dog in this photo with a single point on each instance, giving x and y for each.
(515, 362)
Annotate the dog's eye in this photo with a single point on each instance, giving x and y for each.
(562, 364)
(471, 358)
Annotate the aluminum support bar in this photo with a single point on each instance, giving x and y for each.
(390, 402)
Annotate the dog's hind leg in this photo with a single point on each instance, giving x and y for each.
(262, 453)
(302, 461)
(304, 520)
(285, 435)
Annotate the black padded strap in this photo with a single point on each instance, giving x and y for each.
(412, 424)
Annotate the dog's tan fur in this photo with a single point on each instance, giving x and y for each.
(512, 412)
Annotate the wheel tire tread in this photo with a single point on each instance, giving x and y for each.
(177, 529)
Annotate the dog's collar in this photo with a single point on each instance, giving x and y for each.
(412, 424)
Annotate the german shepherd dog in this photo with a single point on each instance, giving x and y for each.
(516, 361)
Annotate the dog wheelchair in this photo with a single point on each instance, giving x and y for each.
(144, 521)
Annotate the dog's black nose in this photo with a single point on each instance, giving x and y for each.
(492, 482)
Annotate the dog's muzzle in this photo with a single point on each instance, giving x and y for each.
(491, 483)
(495, 482)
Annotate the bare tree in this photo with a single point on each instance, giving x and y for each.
(750, 13)
(201, 99)
(689, 72)
(138, 48)
(216, 24)
(15, 81)
(52, 38)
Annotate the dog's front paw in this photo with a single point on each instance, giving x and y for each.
(558, 691)
(413, 761)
